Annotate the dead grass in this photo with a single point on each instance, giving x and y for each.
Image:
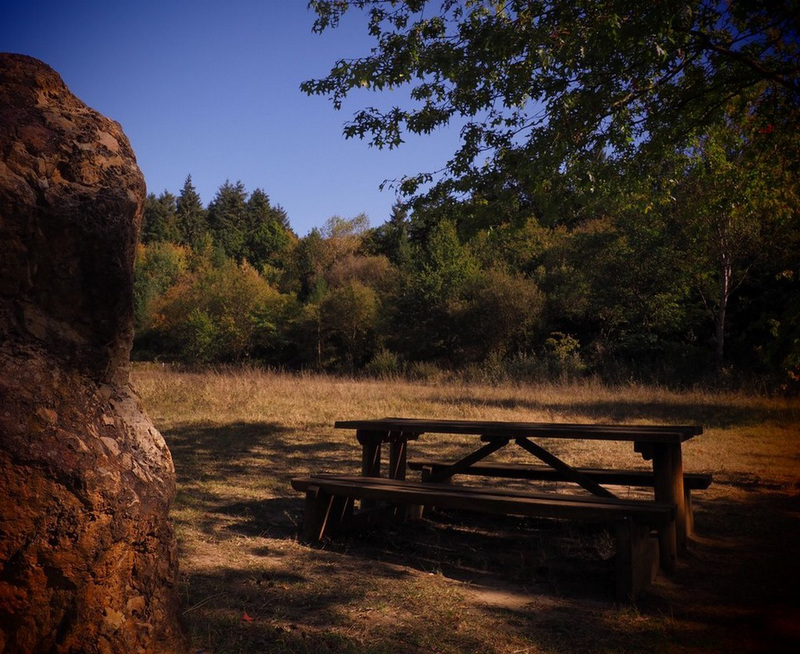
(454, 585)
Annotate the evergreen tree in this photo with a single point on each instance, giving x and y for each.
(268, 235)
(308, 264)
(159, 221)
(431, 293)
(391, 238)
(191, 216)
(228, 220)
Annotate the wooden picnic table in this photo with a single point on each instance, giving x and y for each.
(660, 444)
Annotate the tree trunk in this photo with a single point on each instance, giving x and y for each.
(725, 290)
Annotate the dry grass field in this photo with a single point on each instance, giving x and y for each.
(456, 583)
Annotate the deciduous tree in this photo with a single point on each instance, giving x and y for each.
(556, 85)
(738, 206)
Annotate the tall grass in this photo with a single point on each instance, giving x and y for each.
(736, 424)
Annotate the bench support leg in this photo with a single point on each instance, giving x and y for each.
(325, 514)
(398, 450)
(636, 560)
(687, 501)
(314, 514)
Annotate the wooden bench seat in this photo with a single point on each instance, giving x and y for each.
(610, 477)
(330, 507)
(692, 481)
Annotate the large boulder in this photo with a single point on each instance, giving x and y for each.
(87, 553)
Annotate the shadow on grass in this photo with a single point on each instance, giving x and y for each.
(735, 591)
(254, 462)
(221, 452)
(213, 452)
(334, 605)
(710, 415)
(548, 557)
(241, 611)
(271, 518)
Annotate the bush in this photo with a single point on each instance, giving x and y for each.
(498, 314)
(424, 371)
(157, 267)
(563, 356)
(220, 314)
(384, 365)
(526, 368)
(349, 315)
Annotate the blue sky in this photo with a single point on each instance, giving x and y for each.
(211, 89)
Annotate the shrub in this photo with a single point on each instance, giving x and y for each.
(220, 314)
(157, 267)
(384, 365)
(563, 356)
(425, 371)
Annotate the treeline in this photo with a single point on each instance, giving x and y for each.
(635, 286)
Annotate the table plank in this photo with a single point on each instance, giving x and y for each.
(642, 433)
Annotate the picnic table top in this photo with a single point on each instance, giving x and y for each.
(501, 429)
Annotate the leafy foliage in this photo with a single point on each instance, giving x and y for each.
(349, 314)
(624, 202)
(546, 87)
(157, 268)
(220, 314)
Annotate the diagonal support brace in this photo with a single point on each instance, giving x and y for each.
(570, 474)
(467, 461)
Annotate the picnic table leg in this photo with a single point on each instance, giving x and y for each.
(371, 452)
(687, 500)
(398, 454)
(668, 487)
(371, 443)
(679, 490)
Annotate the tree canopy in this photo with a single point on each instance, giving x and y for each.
(636, 285)
(561, 86)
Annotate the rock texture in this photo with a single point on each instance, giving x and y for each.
(87, 553)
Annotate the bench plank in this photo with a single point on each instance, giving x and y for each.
(487, 500)
(329, 507)
(611, 477)
(692, 481)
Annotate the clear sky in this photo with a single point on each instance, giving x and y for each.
(211, 89)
